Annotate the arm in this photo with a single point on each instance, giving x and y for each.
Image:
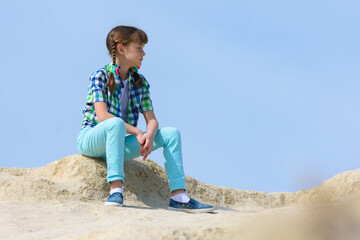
(99, 99)
(147, 110)
(103, 114)
(152, 126)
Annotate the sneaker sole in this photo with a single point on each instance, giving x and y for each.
(200, 210)
(113, 204)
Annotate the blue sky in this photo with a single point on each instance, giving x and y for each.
(264, 93)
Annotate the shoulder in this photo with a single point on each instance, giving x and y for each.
(145, 82)
(99, 75)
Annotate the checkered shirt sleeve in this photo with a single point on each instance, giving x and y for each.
(146, 103)
(97, 87)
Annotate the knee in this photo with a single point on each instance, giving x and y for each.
(172, 132)
(116, 124)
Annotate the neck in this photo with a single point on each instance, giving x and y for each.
(124, 68)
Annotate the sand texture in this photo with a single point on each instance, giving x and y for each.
(65, 200)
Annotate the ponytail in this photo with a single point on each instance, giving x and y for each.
(138, 79)
(111, 80)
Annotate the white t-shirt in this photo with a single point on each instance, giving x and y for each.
(124, 100)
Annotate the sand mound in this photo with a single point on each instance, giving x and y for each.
(343, 185)
(78, 177)
(64, 200)
(81, 178)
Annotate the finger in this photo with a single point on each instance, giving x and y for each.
(145, 157)
(141, 144)
(147, 143)
(141, 151)
(144, 151)
(149, 150)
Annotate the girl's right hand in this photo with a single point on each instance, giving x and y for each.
(140, 140)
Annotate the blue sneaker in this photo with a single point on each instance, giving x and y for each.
(192, 206)
(115, 199)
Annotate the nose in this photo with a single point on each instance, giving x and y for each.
(143, 53)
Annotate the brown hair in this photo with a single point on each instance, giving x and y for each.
(123, 35)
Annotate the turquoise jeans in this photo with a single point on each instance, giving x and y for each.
(108, 141)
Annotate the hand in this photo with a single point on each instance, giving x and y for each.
(147, 145)
(140, 140)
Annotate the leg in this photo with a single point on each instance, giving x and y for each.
(106, 140)
(168, 138)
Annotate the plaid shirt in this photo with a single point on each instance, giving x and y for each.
(139, 98)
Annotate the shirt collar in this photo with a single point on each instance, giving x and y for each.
(111, 68)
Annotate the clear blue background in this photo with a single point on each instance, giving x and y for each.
(265, 93)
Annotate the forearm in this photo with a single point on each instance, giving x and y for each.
(132, 130)
(152, 127)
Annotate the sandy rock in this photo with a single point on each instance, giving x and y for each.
(78, 177)
(343, 185)
(65, 200)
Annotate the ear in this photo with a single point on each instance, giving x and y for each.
(120, 49)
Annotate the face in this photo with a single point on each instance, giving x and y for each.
(133, 54)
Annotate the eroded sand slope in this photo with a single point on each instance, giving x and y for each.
(64, 200)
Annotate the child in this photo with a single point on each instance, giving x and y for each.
(117, 93)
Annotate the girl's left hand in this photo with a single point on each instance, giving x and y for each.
(148, 145)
